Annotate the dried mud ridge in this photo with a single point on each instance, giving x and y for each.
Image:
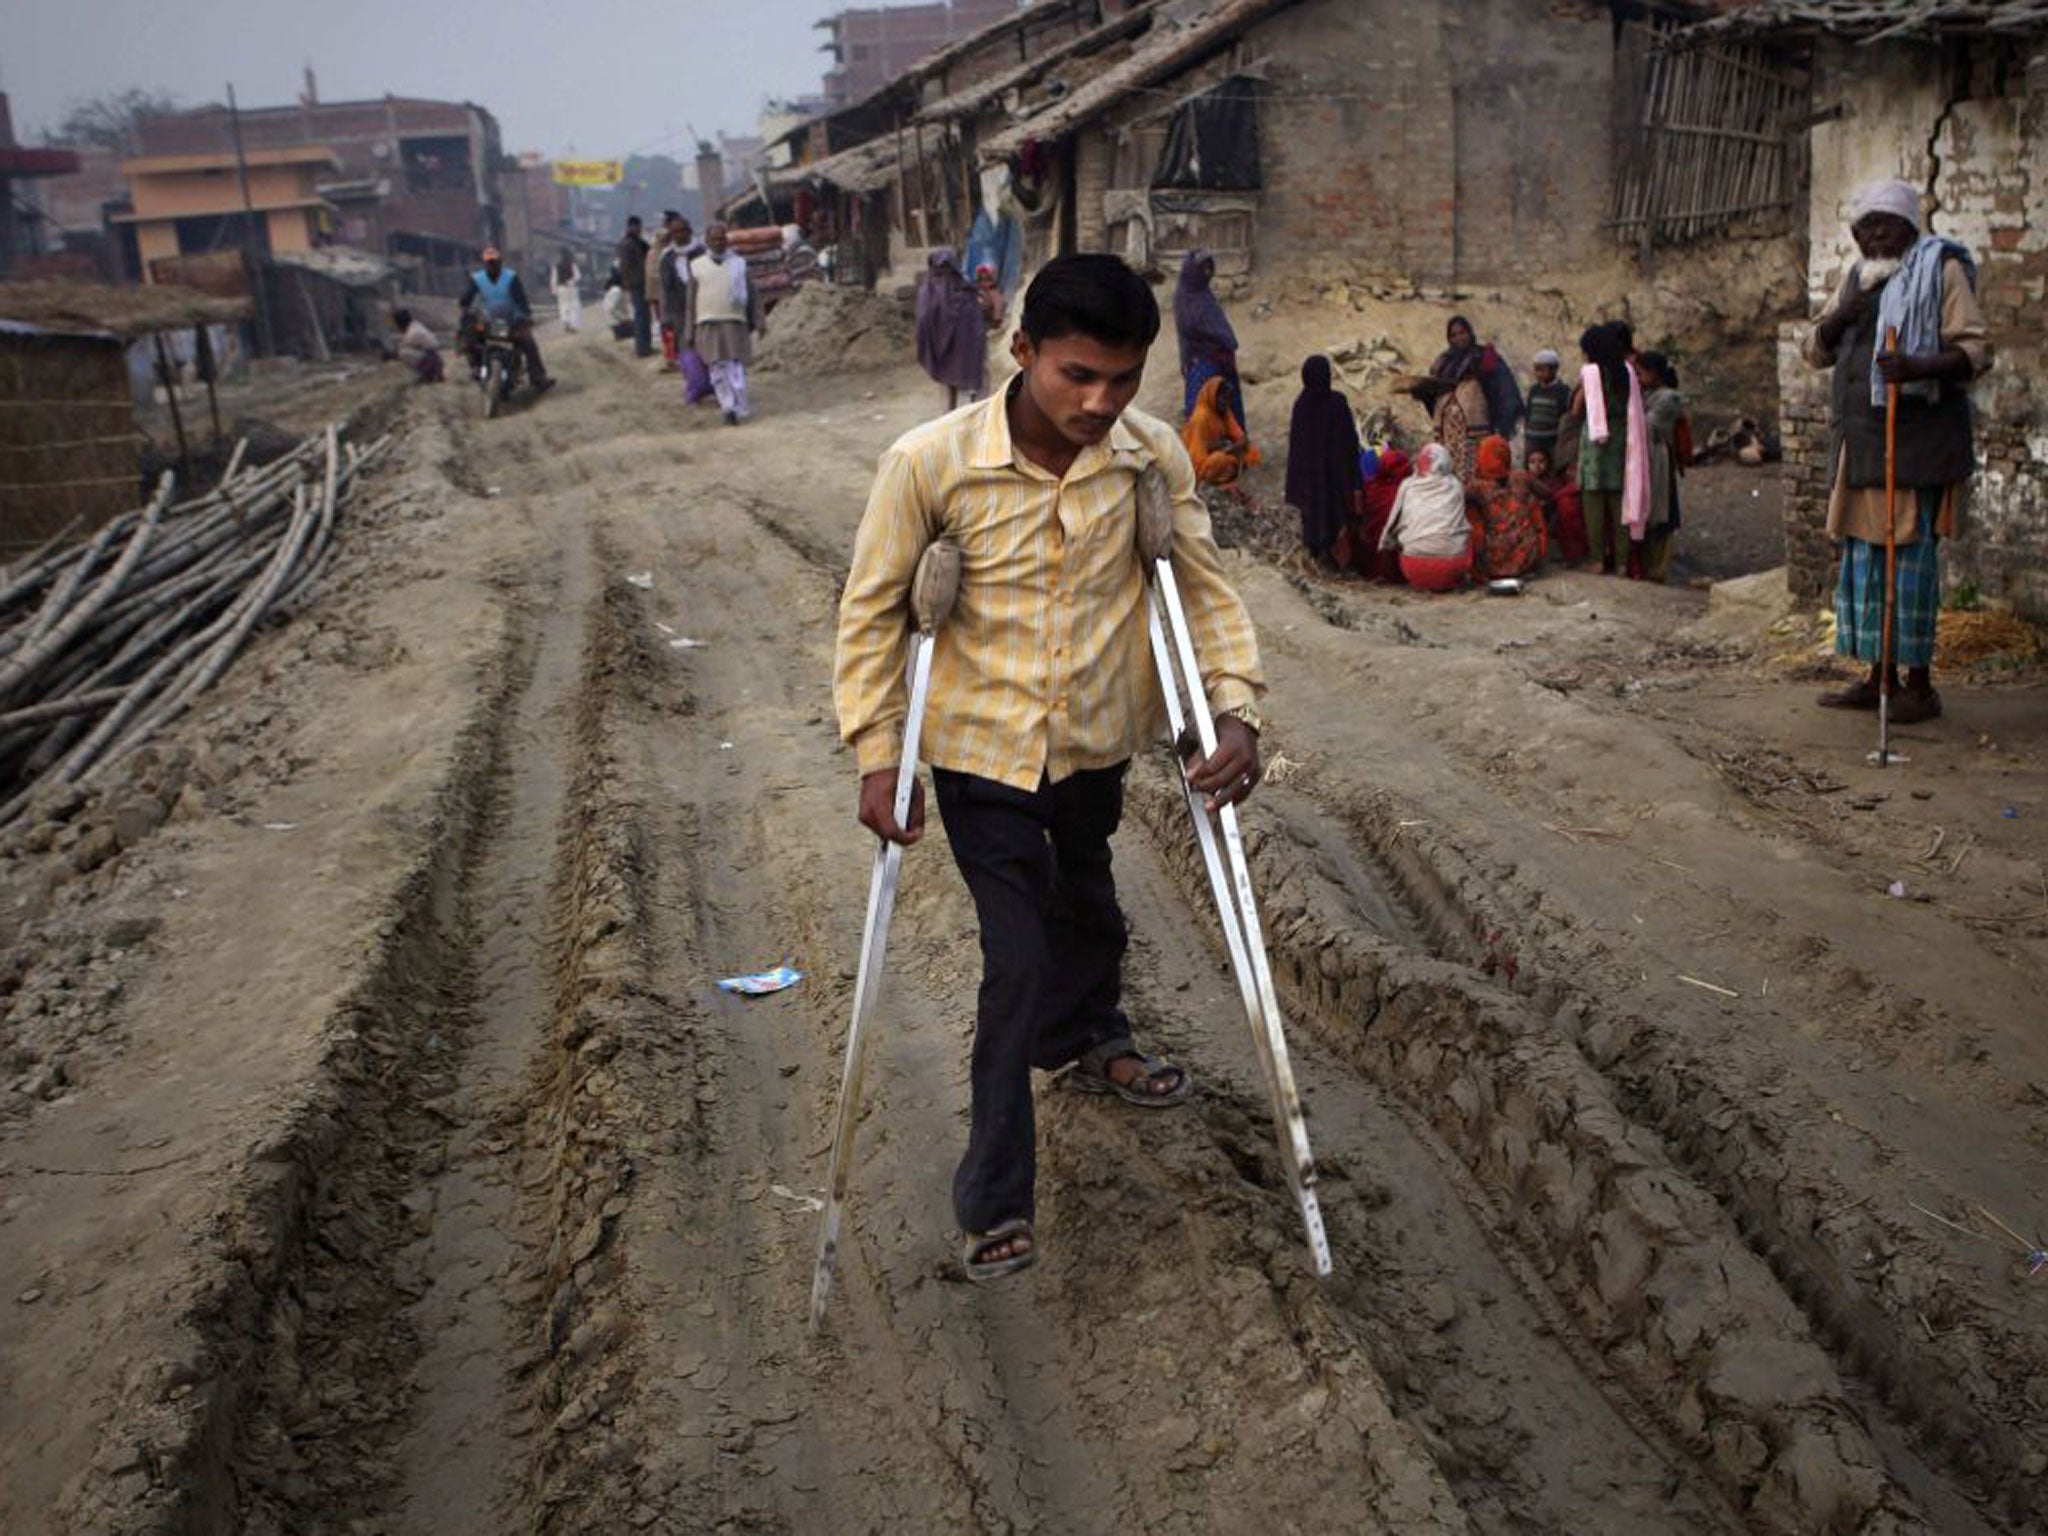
(1721, 1287)
(485, 1134)
(306, 1369)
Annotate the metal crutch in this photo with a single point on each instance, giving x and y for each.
(1236, 907)
(932, 591)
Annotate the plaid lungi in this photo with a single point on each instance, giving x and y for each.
(1859, 594)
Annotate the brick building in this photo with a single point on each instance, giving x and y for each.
(1445, 144)
(413, 178)
(1957, 104)
(871, 46)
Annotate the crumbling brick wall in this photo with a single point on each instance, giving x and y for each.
(1959, 121)
(1435, 144)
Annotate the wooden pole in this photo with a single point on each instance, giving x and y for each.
(163, 371)
(209, 366)
(265, 342)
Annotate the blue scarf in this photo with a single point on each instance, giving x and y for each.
(1911, 301)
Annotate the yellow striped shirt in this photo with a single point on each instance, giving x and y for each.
(1044, 667)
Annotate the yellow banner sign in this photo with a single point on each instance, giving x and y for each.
(589, 173)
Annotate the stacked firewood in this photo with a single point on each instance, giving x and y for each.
(104, 644)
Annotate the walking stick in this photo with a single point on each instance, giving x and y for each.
(932, 591)
(1891, 554)
(1236, 908)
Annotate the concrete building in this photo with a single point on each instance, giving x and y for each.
(412, 178)
(871, 46)
(1954, 101)
(197, 204)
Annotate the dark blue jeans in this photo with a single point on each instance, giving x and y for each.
(1037, 864)
(643, 326)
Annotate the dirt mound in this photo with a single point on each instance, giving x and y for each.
(825, 328)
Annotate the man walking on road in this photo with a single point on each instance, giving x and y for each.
(1042, 689)
(632, 255)
(722, 320)
(1925, 287)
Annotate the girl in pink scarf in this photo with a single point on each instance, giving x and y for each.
(1605, 485)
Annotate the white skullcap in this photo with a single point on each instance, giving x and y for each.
(1892, 196)
(1547, 356)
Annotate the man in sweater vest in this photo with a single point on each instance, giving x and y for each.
(722, 320)
(1925, 287)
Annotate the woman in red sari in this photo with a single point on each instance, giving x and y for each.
(1358, 549)
(1506, 513)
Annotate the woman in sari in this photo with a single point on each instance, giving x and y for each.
(1479, 395)
(1322, 459)
(1208, 346)
(952, 330)
(1215, 439)
(1670, 447)
(1507, 514)
(1429, 525)
(1376, 505)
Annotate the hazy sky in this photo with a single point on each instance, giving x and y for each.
(600, 79)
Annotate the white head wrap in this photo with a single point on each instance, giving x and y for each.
(1433, 460)
(1892, 196)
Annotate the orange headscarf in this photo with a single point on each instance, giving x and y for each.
(1495, 459)
(1211, 424)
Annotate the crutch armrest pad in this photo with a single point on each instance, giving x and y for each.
(1155, 515)
(936, 585)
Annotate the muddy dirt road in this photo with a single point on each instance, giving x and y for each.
(404, 1170)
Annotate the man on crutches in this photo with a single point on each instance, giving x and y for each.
(1042, 687)
(1901, 442)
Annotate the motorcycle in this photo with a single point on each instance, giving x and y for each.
(495, 360)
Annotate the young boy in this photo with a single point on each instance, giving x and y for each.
(1042, 688)
(1548, 398)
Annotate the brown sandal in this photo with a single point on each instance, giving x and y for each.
(1861, 695)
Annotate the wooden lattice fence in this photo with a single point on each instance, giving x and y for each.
(1712, 139)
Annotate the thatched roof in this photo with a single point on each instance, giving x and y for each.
(125, 309)
(1182, 37)
(1873, 20)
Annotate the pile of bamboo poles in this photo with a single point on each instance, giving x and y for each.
(105, 644)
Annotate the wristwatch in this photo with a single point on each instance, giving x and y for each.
(1250, 716)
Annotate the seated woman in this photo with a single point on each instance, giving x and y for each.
(1506, 513)
(1560, 506)
(1383, 480)
(1216, 439)
(1429, 527)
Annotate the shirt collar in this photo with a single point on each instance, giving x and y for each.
(993, 448)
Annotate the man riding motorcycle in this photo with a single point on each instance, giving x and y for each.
(498, 295)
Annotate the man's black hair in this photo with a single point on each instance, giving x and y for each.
(401, 317)
(1092, 294)
(632, 219)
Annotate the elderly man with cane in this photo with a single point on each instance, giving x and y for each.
(1904, 336)
(1041, 689)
